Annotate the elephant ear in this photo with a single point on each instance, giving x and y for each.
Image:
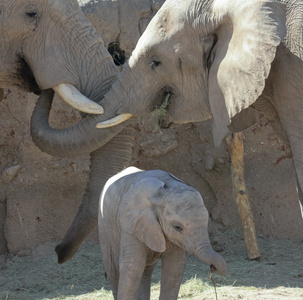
(137, 213)
(248, 34)
(294, 23)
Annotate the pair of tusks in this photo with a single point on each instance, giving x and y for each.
(73, 97)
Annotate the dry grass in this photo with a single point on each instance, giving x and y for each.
(278, 275)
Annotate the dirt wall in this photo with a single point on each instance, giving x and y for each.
(40, 194)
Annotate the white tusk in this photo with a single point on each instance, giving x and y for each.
(73, 97)
(114, 121)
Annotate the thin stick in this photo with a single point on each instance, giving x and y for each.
(211, 278)
(235, 143)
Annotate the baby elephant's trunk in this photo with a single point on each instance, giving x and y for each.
(209, 256)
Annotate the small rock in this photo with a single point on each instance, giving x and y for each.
(218, 248)
(209, 162)
(73, 166)
(218, 170)
(218, 244)
(10, 173)
(221, 160)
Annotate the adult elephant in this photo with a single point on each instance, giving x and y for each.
(47, 46)
(226, 60)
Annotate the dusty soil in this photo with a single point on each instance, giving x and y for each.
(277, 275)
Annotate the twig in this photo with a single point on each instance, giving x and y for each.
(212, 280)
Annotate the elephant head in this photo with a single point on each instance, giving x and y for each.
(38, 50)
(211, 56)
(49, 45)
(159, 207)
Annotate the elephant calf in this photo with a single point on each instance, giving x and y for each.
(145, 216)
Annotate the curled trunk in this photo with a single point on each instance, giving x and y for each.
(209, 256)
(82, 138)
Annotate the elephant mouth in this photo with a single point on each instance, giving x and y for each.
(67, 92)
(162, 106)
(159, 111)
(27, 77)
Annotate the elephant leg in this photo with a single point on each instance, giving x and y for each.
(294, 128)
(110, 261)
(288, 100)
(114, 283)
(105, 162)
(132, 265)
(144, 288)
(173, 265)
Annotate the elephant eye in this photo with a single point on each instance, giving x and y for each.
(155, 63)
(178, 228)
(31, 14)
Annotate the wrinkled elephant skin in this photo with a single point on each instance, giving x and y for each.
(145, 216)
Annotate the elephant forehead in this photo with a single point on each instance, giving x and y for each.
(165, 24)
(67, 7)
(182, 201)
(186, 213)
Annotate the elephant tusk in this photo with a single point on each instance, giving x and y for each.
(73, 97)
(114, 121)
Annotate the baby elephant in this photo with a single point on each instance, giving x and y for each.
(145, 216)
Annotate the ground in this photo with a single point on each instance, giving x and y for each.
(277, 275)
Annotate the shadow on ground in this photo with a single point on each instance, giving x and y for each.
(278, 275)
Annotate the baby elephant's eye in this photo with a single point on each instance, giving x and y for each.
(178, 228)
(31, 14)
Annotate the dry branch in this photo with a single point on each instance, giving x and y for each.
(235, 142)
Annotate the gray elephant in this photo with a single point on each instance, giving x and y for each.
(145, 216)
(47, 46)
(219, 59)
(215, 59)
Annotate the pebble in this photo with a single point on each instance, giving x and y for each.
(221, 160)
(209, 162)
(10, 173)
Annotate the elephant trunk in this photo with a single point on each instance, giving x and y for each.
(207, 255)
(105, 162)
(81, 138)
(135, 95)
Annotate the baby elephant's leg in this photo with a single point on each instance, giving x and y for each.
(173, 264)
(132, 264)
(111, 266)
(144, 289)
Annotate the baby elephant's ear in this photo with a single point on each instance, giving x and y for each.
(137, 214)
